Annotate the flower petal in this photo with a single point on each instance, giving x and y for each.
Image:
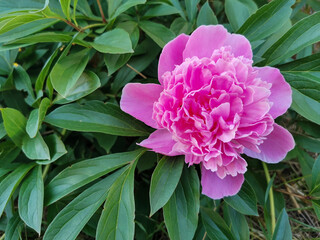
(239, 44)
(172, 55)
(275, 148)
(217, 188)
(160, 141)
(204, 40)
(281, 94)
(137, 100)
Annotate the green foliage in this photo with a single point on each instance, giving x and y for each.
(70, 167)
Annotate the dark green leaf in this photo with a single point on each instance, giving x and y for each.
(115, 61)
(267, 20)
(164, 181)
(238, 11)
(67, 71)
(10, 183)
(116, 41)
(157, 32)
(161, 10)
(215, 226)
(245, 201)
(31, 199)
(56, 148)
(301, 35)
(316, 176)
(116, 7)
(96, 116)
(36, 117)
(84, 172)
(14, 228)
(182, 209)
(206, 16)
(69, 222)
(283, 229)
(117, 218)
(191, 7)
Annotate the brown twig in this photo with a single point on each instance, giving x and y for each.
(101, 12)
(135, 70)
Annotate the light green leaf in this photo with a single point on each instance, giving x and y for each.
(10, 183)
(117, 218)
(191, 7)
(116, 41)
(283, 229)
(68, 70)
(206, 16)
(238, 11)
(7, 24)
(161, 10)
(69, 222)
(157, 32)
(245, 201)
(31, 199)
(35, 148)
(65, 6)
(95, 116)
(302, 34)
(267, 20)
(116, 7)
(36, 117)
(164, 181)
(75, 177)
(182, 209)
(216, 227)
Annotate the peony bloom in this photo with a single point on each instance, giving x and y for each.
(212, 106)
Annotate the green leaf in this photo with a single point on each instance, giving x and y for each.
(157, 32)
(31, 199)
(87, 83)
(115, 61)
(7, 58)
(44, 72)
(27, 29)
(14, 228)
(56, 148)
(307, 64)
(245, 201)
(164, 181)
(216, 227)
(65, 6)
(316, 207)
(10, 183)
(116, 7)
(237, 223)
(70, 221)
(191, 7)
(7, 24)
(35, 148)
(283, 229)
(316, 176)
(161, 10)
(301, 35)
(116, 41)
(267, 20)
(180, 25)
(95, 116)
(67, 71)
(36, 117)
(182, 209)
(22, 81)
(85, 172)
(306, 162)
(305, 106)
(117, 218)
(238, 11)
(15, 124)
(206, 16)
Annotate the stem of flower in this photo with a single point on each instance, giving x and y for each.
(45, 171)
(101, 12)
(92, 25)
(271, 198)
(2, 237)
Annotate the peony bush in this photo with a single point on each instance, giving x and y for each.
(147, 119)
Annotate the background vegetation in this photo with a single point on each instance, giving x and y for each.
(69, 164)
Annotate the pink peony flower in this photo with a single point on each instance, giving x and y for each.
(212, 106)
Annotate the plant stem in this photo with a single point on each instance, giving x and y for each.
(45, 171)
(92, 25)
(271, 198)
(2, 237)
(101, 12)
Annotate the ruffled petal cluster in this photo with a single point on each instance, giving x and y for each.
(212, 106)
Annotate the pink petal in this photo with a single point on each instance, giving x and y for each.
(275, 148)
(137, 100)
(204, 40)
(172, 55)
(217, 188)
(281, 94)
(161, 141)
(240, 45)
